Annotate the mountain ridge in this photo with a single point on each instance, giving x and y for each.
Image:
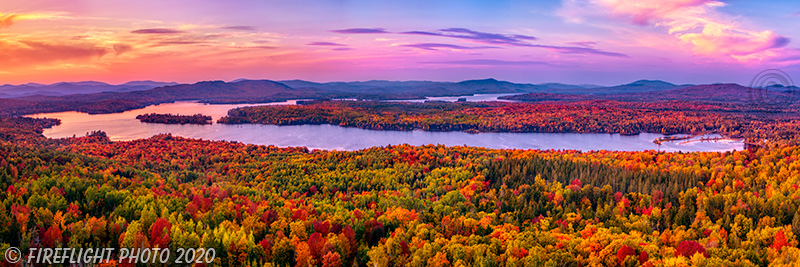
(720, 93)
(72, 88)
(261, 91)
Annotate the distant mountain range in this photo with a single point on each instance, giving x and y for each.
(366, 89)
(96, 97)
(634, 87)
(729, 93)
(71, 88)
(413, 89)
(110, 102)
(708, 92)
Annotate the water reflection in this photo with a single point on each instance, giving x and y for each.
(468, 98)
(124, 126)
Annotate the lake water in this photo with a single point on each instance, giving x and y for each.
(468, 98)
(124, 126)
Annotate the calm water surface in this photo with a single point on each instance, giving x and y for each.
(124, 126)
(469, 98)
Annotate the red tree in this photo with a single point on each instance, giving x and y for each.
(332, 259)
(688, 248)
(316, 243)
(159, 233)
(624, 252)
(52, 237)
(643, 257)
(322, 227)
(780, 240)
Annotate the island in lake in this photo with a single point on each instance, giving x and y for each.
(174, 119)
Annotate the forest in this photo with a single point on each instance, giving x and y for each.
(174, 119)
(399, 205)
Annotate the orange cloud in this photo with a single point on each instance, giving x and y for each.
(122, 48)
(48, 47)
(26, 53)
(8, 19)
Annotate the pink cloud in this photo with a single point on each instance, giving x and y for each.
(325, 44)
(157, 31)
(361, 31)
(587, 44)
(642, 12)
(694, 23)
(436, 46)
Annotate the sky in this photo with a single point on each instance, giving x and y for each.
(601, 42)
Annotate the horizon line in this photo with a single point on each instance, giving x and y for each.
(372, 80)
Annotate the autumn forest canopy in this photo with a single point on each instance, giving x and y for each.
(380, 133)
(403, 205)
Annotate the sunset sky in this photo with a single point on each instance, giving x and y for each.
(572, 41)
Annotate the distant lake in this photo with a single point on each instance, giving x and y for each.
(124, 126)
(468, 98)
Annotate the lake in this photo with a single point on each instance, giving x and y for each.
(124, 126)
(468, 98)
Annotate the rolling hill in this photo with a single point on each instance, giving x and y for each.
(727, 94)
(420, 89)
(208, 92)
(71, 88)
(260, 91)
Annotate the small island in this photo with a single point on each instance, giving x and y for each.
(174, 119)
